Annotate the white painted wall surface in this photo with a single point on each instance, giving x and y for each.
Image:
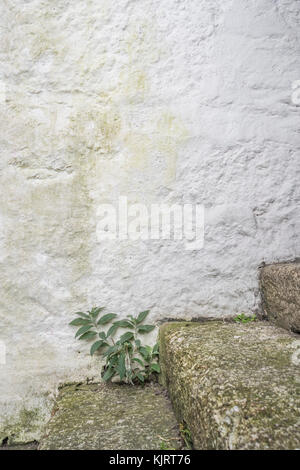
(163, 102)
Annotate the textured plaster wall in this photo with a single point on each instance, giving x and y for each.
(162, 101)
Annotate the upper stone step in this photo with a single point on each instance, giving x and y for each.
(280, 288)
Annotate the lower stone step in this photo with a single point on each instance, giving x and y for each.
(108, 417)
(236, 386)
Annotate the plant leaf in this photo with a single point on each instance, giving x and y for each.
(95, 312)
(97, 345)
(145, 328)
(141, 316)
(106, 318)
(144, 352)
(83, 315)
(140, 377)
(79, 321)
(136, 359)
(111, 350)
(124, 324)
(108, 374)
(88, 335)
(121, 366)
(112, 360)
(126, 337)
(112, 330)
(155, 367)
(82, 330)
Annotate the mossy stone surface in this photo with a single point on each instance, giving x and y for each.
(235, 385)
(121, 417)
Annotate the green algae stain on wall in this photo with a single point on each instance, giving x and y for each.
(171, 133)
(94, 128)
(93, 131)
(24, 427)
(58, 210)
(154, 150)
(151, 136)
(74, 139)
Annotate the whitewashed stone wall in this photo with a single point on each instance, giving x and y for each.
(162, 101)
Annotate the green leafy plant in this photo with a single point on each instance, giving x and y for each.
(186, 435)
(127, 357)
(164, 446)
(242, 318)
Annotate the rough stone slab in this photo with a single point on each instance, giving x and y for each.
(280, 286)
(235, 385)
(100, 417)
